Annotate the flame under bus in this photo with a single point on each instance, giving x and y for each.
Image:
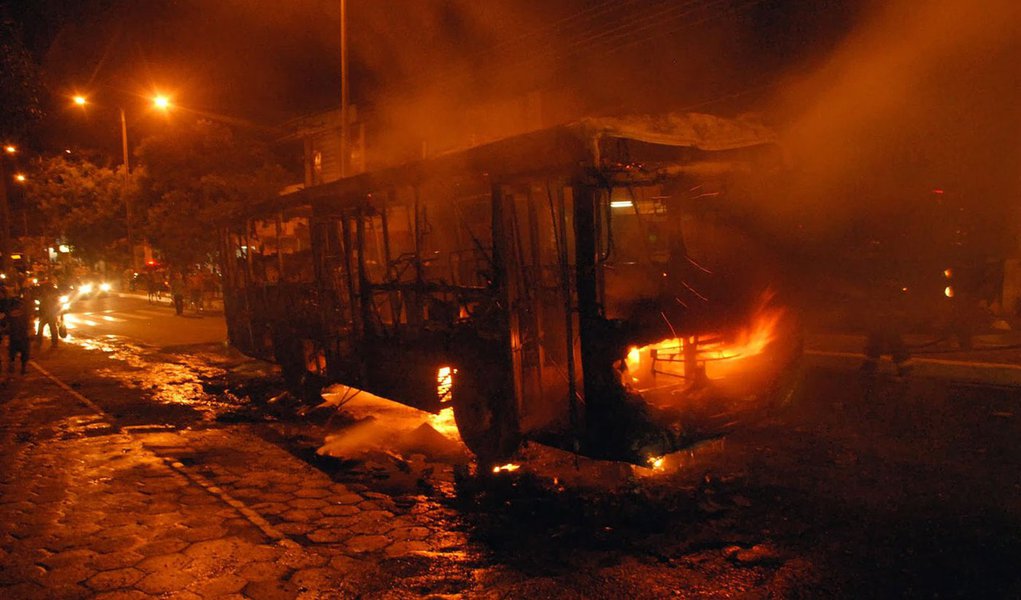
(583, 286)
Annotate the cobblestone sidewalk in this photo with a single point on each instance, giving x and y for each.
(88, 510)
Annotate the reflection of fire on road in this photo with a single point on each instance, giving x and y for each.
(444, 423)
(376, 424)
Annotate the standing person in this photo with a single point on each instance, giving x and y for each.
(151, 287)
(18, 333)
(49, 312)
(195, 282)
(177, 290)
(886, 312)
(210, 287)
(6, 302)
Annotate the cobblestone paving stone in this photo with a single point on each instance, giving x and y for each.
(298, 500)
(87, 511)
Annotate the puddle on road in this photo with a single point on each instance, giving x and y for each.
(167, 378)
(90, 425)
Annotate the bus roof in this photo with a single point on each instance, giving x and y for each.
(672, 140)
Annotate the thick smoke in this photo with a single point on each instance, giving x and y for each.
(919, 96)
(919, 104)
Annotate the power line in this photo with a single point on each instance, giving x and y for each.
(649, 18)
(730, 96)
(680, 26)
(665, 19)
(587, 21)
(619, 34)
(593, 38)
(593, 11)
(706, 19)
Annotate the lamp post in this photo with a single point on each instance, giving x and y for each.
(161, 102)
(344, 91)
(129, 217)
(5, 206)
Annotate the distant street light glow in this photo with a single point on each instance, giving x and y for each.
(9, 149)
(20, 177)
(161, 102)
(80, 100)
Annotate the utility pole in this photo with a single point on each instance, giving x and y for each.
(5, 213)
(129, 209)
(343, 90)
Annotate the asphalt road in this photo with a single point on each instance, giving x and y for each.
(858, 488)
(143, 322)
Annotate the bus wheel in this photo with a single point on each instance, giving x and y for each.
(485, 412)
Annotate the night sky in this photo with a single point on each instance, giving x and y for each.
(265, 62)
(875, 96)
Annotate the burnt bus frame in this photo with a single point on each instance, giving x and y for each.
(337, 321)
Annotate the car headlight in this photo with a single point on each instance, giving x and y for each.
(86, 288)
(104, 287)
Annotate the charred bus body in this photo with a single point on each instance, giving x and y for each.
(580, 285)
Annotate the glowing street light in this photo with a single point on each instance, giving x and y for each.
(20, 177)
(9, 149)
(159, 101)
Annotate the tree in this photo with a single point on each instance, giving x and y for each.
(196, 177)
(19, 84)
(19, 108)
(81, 203)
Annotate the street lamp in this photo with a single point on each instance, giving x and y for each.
(9, 149)
(159, 101)
(20, 177)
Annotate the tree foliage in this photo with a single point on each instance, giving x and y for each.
(198, 176)
(19, 84)
(81, 203)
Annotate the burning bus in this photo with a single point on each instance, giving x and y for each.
(586, 286)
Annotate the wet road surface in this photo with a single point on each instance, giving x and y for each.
(151, 464)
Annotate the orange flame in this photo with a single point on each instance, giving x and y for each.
(508, 468)
(719, 355)
(444, 382)
(634, 356)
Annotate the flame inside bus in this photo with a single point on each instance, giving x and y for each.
(714, 356)
(444, 382)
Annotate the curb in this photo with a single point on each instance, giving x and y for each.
(990, 373)
(215, 306)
